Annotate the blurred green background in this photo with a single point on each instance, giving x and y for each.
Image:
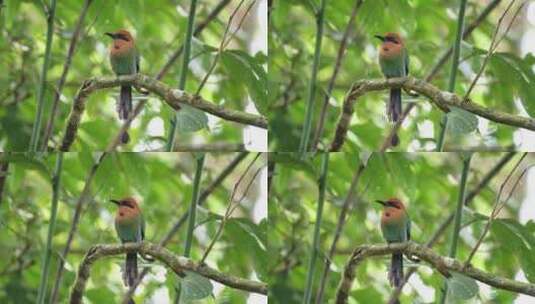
(162, 182)
(429, 28)
(428, 184)
(159, 28)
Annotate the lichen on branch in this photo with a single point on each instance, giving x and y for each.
(176, 263)
(441, 264)
(442, 99)
(172, 97)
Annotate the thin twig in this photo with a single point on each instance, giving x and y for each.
(82, 199)
(66, 67)
(339, 227)
(225, 41)
(494, 45)
(338, 63)
(232, 205)
(497, 208)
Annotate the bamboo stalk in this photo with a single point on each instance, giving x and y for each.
(315, 243)
(453, 73)
(305, 135)
(36, 130)
(458, 216)
(56, 180)
(184, 70)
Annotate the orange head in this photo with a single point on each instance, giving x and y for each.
(122, 39)
(392, 44)
(128, 208)
(393, 210)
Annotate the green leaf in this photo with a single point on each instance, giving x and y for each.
(461, 287)
(461, 121)
(190, 119)
(99, 295)
(248, 71)
(195, 287)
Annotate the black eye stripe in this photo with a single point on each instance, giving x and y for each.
(122, 37)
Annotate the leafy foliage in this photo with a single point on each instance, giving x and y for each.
(429, 28)
(158, 35)
(428, 184)
(163, 183)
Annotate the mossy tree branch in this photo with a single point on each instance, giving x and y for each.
(442, 264)
(176, 263)
(442, 99)
(173, 97)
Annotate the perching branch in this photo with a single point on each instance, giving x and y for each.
(173, 97)
(202, 198)
(441, 99)
(176, 263)
(442, 264)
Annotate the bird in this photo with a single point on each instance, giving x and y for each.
(394, 62)
(396, 228)
(130, 227)
(124, 59)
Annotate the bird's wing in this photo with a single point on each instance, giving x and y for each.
(409, 229)
(137, 62)
(406, 62)
(142, 228)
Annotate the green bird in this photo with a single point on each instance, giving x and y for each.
(394, 62)
(124, 59)
(130, 227)
(396, 228)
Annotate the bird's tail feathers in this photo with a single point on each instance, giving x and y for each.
(130, 269)
(124, 108)
(394, 111)
(394, 106)
(395, 274)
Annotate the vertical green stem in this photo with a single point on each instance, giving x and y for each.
(315, 243)
(184, 70)
(51, 227)
(458, 216)
(36, 131)
(453, 72)
(192, 214)
(305, 136)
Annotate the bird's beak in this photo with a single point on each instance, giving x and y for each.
(118, 203)
(381, 202)
(112, 35)
(379, 37)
